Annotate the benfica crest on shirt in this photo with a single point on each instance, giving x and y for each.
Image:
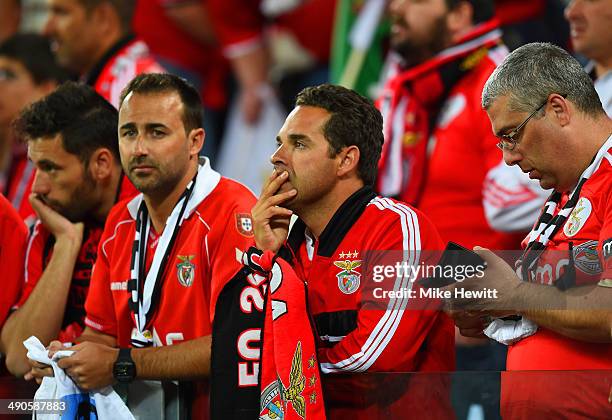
(185, 271)
(348, 279)
(578, 217)
(244, 224)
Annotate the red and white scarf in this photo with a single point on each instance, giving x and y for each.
(409, 104)
(290, 377)
(551, 220)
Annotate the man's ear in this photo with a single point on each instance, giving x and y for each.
(101, 163)
(460, 19)
(196, 140)
(349, 160)
(104, 16)
(561, 109)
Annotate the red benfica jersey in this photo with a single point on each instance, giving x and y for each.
(13, 236)
(127, 59)
(39, 251)
(240, 25)
(361, 331)
(588, 230)
(203, 259)
(469, 194)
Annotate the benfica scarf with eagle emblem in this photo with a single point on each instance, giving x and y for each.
(288, 379)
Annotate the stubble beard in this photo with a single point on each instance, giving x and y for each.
(415, 52)
(81, 205)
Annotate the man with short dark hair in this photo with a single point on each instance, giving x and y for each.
(324, 170)
(550, 123)
(93, 39)
(71, 137)
(28, 71)
(166, 253)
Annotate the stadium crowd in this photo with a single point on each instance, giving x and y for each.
(128, 236)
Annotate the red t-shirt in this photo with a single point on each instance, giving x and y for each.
(465, 147)
(13, 236)
(588, 229)
(204, 253)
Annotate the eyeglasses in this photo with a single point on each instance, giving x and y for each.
(509, 141)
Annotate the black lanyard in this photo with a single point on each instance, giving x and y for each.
(136, 285)
(535, 248)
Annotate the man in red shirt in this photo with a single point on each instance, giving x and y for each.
(93, 39)
(165, 254)
(72, 142)
(551, 124)
(325, 166)
(434, 127)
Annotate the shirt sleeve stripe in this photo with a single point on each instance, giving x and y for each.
(385, 328)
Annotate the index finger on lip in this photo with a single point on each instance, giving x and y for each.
(272, 177)
(274, 184)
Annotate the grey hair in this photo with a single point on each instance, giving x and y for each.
(534, 71)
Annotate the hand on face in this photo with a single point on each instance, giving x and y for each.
(270, 221)
(57, 224)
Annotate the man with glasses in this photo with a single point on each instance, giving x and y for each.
(551, 124)
(508, 141)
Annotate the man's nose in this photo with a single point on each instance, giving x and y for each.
(49, 26)
(512, 157)
(572, 10)
(278, 157)
(394, 6)
(41, 184)
(140, 146)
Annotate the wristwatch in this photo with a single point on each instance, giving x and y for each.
(124, 369)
